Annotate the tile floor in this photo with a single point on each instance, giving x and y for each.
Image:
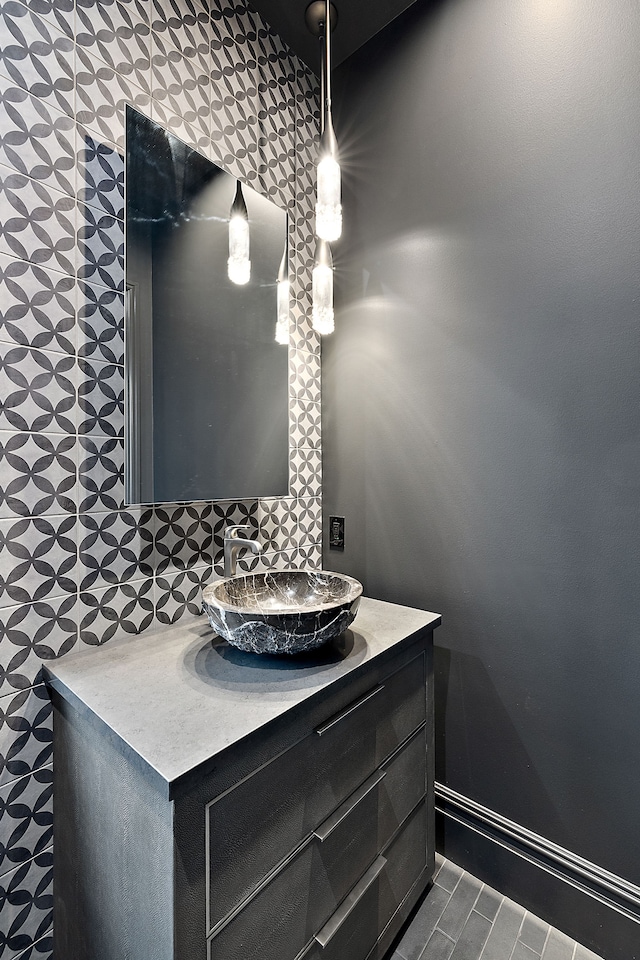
(463, 919)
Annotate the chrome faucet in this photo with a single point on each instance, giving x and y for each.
(234, 543)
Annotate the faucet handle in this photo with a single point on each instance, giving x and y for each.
(232, 532)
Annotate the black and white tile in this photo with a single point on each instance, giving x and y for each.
(305, 423)
(36, 56)
(37, 391)
(233, 80)
(100, 323)
(100, 175)
(303, 336)
(179, 124)
(39, 950)
(30, 635)
(76, 564)
(101, 95)
(181, 92)
(179, 594)
(233, 137)
(26, 732)
(278, 529)
(37, 223)
(38, 474)
(232, 512)
(37, 306)
(184, 23)
(38, 559)
(100, 474)
(100, 248)
(295, 558)
(26, 905)
(308, 515)
(94, 14)
(306, 472)
(100, 398)
(37, 140)
(115, 547)
(247, 563)
(113, 33)
(311, 556)
(183, 537)
(26, 818)
(59, 14)
(112, 612)
(304, 376)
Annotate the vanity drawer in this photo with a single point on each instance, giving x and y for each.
(289, 909)
(296, 910)
(254, 826)
(353, 929)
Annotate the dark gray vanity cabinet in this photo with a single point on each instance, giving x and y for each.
(302, 831)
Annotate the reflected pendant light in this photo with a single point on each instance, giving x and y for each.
(282, 323)
(322, 283)
(321, 17)
(239, 264)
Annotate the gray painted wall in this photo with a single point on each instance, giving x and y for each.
(481, 395)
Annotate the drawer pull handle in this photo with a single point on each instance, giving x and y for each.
(325, 727)
(335, 921)
(326, 829)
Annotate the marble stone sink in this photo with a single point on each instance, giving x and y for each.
(284, 611)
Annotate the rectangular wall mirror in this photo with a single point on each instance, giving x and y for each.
(207, 383)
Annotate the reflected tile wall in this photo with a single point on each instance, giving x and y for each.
(76, 566)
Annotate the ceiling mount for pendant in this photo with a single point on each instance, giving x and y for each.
(315, 16)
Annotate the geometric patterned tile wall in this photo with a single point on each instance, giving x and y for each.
(76, 566)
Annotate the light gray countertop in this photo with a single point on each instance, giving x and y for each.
(174, 679)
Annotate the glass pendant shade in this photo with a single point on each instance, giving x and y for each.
(322, 284)
(321, 17)
(328, 206)
(239, 264)
(282, 323)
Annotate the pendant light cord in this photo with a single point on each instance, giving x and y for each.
(323, 70)
(327, 57)
(325, 66)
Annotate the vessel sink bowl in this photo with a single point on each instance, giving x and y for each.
(285, 611)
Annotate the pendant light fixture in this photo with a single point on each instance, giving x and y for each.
(321, 17)
(282, 323)
(322, 309)
(239, 264)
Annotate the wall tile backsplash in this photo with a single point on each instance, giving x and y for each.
(77, 566)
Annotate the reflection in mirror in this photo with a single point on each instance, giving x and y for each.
(207, 381)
